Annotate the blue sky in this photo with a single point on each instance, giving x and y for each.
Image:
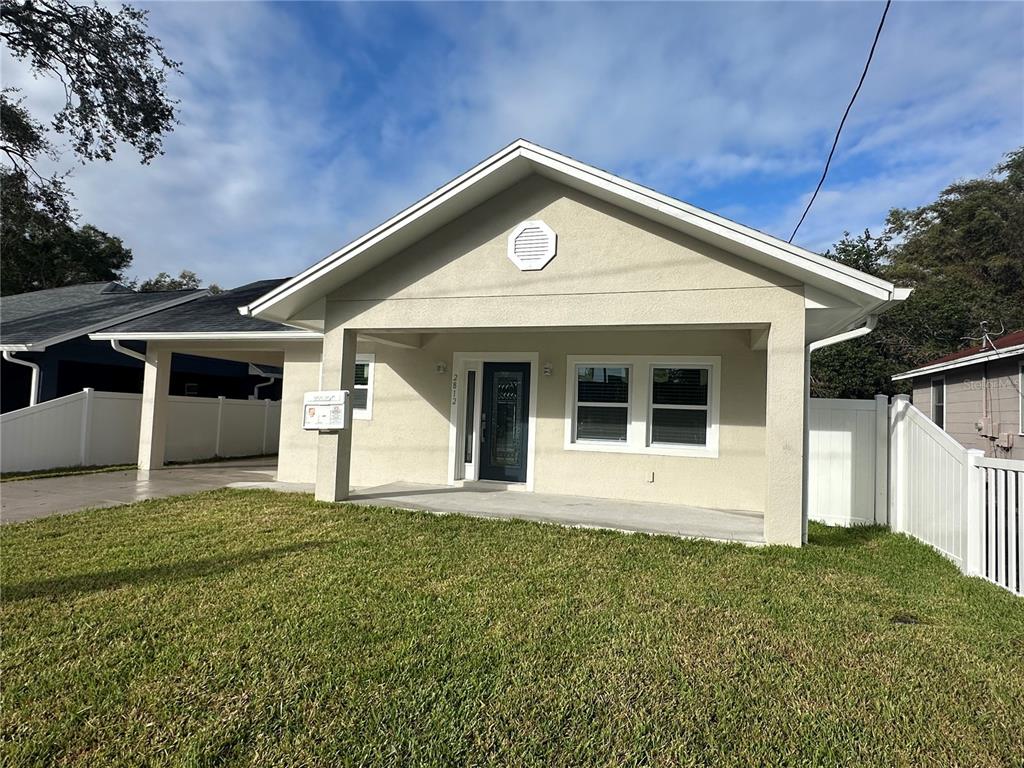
(305, 124)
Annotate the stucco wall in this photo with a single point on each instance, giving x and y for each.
(611, 268)
(408, 437)
(296, 456)
(613, 271)
(964, 403)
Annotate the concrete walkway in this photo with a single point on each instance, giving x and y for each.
(22, 500)
(494, 501)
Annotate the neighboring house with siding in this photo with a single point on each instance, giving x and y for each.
(547, 326)
(975, 395)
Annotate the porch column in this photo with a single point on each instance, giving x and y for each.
(153, 424)
(784, 422)
(334, 449)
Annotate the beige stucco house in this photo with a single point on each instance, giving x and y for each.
(976, 395)
(540, 323)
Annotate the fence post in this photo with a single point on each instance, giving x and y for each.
(974, 494)
(266, 421)
(86, 434)
(220, 423)
(881, 459)
(898, 463)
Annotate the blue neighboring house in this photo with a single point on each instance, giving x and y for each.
(44, 335)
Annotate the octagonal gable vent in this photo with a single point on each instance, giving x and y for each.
(531, 245)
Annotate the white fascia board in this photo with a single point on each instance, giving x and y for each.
(208, 336)
(870, 289)
(981, 357)
(413, 213)
(42, 345)
(739, 234)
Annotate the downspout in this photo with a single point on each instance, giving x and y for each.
(33, 394)
(125, 351)
(256, 390)
(255, 370)
(856, 333)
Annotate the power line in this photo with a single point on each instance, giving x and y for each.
(842, 122)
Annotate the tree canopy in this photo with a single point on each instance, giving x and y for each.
(113, 74)
(186, 280)
(963, 255)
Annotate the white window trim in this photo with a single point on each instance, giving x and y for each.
(365, 414)
(637, 431)
(931, 395)
(1020, 399)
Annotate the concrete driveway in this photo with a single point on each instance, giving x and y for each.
(22, 500)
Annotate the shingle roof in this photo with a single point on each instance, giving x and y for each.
(1010, 345)
(212, 313)
(1003, 342)
(49, 316)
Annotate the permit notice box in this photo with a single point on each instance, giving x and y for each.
(325, 411)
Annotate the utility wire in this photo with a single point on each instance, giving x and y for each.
(842, 122)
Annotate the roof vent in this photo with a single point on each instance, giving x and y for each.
(531, 245)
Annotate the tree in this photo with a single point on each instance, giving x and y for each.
(113, 74)
(41, 249)
(112, 70)
(186, 280)
(964, 257)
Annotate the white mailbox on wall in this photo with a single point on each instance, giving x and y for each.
(326, 411)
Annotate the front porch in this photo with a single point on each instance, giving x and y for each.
(498, 502)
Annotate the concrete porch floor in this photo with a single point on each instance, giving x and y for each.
(496, 502)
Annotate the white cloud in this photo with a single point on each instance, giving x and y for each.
(305, 125)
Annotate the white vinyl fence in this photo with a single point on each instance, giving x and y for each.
(869, 462)
(967, 506)
(996, 550)
(90, 427)
(847, 479)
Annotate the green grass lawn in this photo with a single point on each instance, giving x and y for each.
(254, 628)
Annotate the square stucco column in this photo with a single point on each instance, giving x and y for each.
(153, 424)
(784, 418)
(334, 449)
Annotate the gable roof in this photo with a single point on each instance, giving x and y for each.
(211, 315)
(522, 158)
(33, 321)
(1005, 346)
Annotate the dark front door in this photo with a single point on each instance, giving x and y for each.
(504, 421)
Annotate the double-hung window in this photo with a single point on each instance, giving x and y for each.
(602, 403)
(680, 409)
(362, 392)
(665, 405)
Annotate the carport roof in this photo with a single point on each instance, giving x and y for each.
(35, 320)
(213, 315)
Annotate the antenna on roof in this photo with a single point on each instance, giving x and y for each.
(986, 336)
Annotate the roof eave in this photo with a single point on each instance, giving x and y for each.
(963, 362)
(862, 288)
